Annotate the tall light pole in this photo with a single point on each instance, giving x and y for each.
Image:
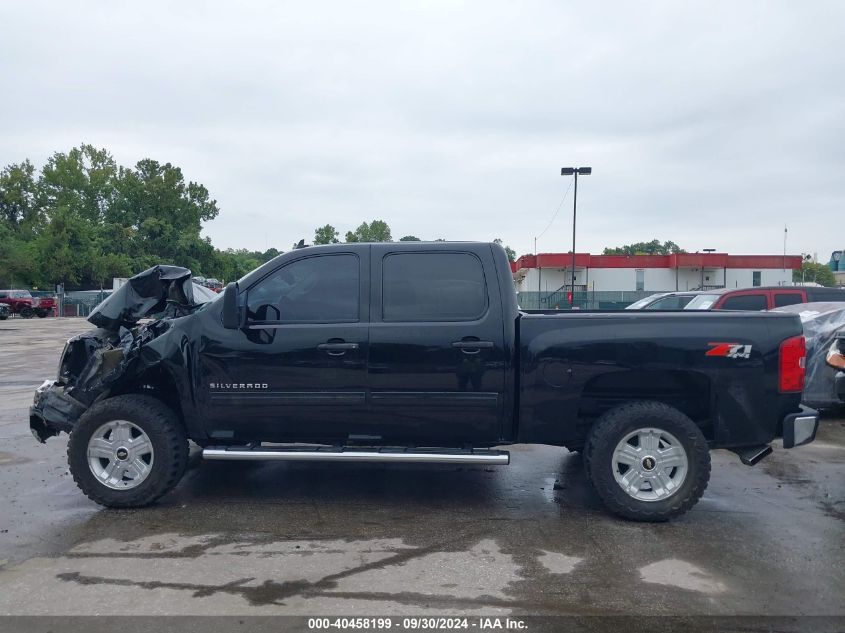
(707, 251)
(570, 171)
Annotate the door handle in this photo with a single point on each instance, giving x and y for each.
(336, 349)
(472, 347)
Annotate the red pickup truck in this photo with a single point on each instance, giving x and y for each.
(23, 303)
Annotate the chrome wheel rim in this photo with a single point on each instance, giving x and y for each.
(650, 464)
(120, 455)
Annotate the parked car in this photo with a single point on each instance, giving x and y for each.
(4, 311)
(20, 302)
(762, 298)
(415, 352)
(663, 301)
(44, 306)
(824, 329)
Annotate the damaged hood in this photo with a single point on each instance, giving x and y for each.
(157, 289)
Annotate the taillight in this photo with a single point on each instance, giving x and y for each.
(835, 356)
(793, 355)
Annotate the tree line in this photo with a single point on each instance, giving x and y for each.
(82, 220)
(378, 231)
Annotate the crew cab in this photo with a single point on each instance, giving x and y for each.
(415, 352)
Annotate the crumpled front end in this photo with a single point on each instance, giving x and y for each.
(111, 359)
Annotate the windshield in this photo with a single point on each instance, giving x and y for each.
(702, 302)
(639, 305)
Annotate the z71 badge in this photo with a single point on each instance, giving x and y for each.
(729, 350)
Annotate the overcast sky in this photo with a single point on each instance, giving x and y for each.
(711, 124)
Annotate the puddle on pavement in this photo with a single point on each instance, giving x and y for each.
(213, 573)
(556, 563)
(681, 574)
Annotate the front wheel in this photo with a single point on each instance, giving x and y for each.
(127, 451)
(27, 312)
(648, 461)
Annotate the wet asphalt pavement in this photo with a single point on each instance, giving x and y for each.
(530, 538)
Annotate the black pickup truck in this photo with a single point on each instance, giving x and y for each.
(415, 352)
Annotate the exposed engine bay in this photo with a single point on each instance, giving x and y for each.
(114, 357)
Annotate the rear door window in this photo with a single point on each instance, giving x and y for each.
(787, 298)
(745, 302)
(433, 287)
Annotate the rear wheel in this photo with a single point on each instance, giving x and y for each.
(648, 461)
(127, 451)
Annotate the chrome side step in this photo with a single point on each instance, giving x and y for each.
(430, 456)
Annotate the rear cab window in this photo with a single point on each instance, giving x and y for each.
(745, 302)
(787, 298)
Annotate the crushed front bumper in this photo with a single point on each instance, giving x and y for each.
(800, 428)
(53, 411)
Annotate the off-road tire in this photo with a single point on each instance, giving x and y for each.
(27, 313)
(613, 426)
(166, 433)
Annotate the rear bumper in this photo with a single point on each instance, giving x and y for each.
(800, 428)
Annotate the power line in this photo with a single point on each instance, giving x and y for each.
(559, 207)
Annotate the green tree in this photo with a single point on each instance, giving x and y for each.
(508, 250)
(326, 235)
(65, 247)
(19, 261)
(410, 238)
(18, 197)
(83, 219)
(81, 181)
(654, 247)
(815, 273)
(105, 266)
(269, 254)
(375, 231)
(165, 214)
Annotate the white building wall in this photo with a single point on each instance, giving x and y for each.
(691, 278)
(656, 279)
(744, 277)
(550, 280)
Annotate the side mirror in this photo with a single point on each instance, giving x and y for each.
(231, 316)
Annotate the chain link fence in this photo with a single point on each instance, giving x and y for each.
(77, 303)
(583, 299)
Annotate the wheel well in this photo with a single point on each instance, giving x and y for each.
(688, 391)
(156, 382)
